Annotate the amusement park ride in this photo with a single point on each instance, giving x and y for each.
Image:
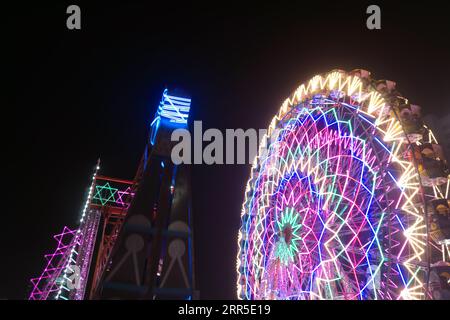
(348, 198)
(134, 239)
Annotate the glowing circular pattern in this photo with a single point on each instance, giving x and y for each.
(329, 209)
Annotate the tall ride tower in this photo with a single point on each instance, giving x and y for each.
(134, 239)
(153, 255)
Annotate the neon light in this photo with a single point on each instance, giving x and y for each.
(105, 193)
(173, 110)
(128, 194)
(288, 227)
(331, 165)
(84, 239)
(75, 248)
(46, 284)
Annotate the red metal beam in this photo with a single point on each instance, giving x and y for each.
(122, 211)
(114, 180)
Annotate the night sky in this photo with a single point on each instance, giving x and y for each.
(74, 96)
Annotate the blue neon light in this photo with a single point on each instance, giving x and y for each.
(175, 109)
(171, 110)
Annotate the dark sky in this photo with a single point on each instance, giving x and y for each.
(72, 96)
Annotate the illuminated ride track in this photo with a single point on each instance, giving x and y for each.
(348, 198)
(134, 238)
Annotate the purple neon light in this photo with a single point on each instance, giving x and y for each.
(128, 194)
(75, 247)
(86, 249)
(46, 283)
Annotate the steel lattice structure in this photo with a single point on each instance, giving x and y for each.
(82, 265)
(66, 275)
(48, 282)
(343, 198)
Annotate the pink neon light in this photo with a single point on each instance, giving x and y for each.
(45, 284)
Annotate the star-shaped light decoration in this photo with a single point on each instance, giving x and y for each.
(124, 202)
(105, 193)
(288, 227)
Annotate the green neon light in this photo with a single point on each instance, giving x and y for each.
(105, 194)
(287, 248)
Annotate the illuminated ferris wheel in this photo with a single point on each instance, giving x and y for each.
(347, 198)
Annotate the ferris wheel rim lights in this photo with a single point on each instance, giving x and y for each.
(372, 107)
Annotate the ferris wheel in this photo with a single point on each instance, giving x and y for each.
(347, 198)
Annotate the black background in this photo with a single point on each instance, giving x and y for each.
(72, 96)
